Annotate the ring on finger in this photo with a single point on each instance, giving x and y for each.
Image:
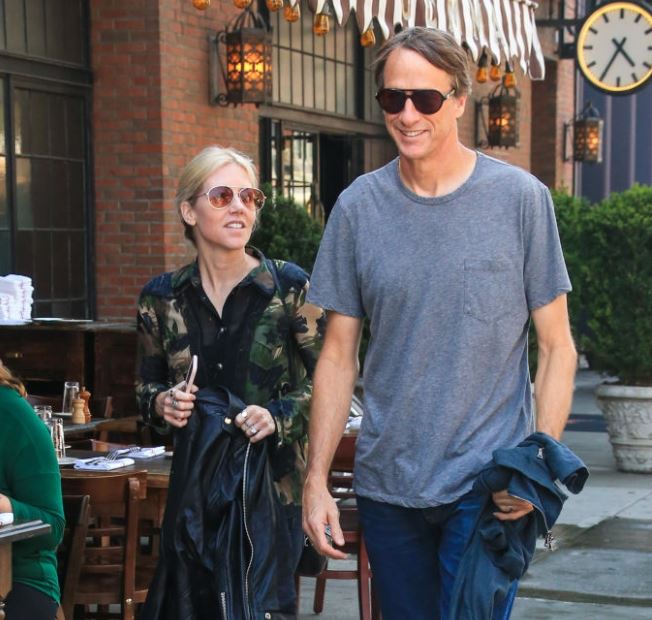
(175, 402)
(253, 430)
(244, 413)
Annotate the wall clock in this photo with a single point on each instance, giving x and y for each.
(614, 47)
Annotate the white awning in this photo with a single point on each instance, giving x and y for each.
(504, 28)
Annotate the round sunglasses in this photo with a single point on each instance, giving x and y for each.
(426, 101)
(221, 196)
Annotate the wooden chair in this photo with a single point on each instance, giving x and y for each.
(70, 553)
(341, 483)
(109, 572)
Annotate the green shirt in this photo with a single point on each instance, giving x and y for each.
(29, 476)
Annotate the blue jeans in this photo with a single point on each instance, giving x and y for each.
(414, 554)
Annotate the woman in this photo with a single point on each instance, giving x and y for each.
(30, 488)
(226, 308)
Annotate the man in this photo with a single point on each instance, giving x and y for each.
(449, 253)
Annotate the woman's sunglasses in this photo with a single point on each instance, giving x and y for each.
(392, 100)
(221, 197)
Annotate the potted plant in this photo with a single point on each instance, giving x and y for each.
(616, 283)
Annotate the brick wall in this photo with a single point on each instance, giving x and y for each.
(151, 115)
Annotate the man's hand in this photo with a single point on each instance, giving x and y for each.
(510, 507)
(320, 511)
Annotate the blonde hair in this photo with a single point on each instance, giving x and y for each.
(200, 167)
(8, 380)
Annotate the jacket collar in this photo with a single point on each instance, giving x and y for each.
(260, 276)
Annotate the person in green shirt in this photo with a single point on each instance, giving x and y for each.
(30, 488)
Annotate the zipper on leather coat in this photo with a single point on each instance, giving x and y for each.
(245, 478)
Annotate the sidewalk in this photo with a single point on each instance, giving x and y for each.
(602, 566)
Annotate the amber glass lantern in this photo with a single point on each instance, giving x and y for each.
(274, 5)
(242, 4)
(482, 74)
(292, 13)
(368, 37)
(321, 24)
(201, 5)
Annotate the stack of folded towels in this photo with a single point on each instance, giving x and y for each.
(16, 297)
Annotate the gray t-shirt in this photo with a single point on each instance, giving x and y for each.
(447, 284)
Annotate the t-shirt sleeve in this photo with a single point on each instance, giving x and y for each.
(334, 283)
(545, 271)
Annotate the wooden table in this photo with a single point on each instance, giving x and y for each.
(10, 534)
(158, 480)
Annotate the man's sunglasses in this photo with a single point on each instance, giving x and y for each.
(392, 100)
(221, 197)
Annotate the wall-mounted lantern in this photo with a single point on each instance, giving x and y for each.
(587, 129)
(246, 70)
(500, 128)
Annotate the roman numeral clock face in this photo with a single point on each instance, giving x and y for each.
(614, 47)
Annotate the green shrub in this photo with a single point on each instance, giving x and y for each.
(616, 243)
(286, 231)
(569, 212)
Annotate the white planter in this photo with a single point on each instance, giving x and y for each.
(628, 411)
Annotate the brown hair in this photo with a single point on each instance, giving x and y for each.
(8, 380)
(199, 168)
(439, 48)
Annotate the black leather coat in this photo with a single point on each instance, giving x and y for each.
(223, 528)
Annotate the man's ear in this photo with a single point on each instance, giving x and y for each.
(460, 105)
(188, 213)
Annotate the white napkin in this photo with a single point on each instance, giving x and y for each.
(353, 423)
(102, 464)
(143, 453)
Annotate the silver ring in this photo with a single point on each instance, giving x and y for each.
(175, 402)
(244, 413)
(253, 430)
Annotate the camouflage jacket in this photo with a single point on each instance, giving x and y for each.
(165, 347)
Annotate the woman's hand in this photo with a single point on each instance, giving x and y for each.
(510, 507)
(175, 405)
(255, 422)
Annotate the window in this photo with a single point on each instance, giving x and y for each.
(324, 127)
(44, 165)
(329, 74)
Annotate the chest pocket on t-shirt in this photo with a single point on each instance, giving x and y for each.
(491, 290)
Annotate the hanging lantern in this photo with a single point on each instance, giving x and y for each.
(247, 72)
(292, 13)
(482, 74)
(509, 79)
(242, 4)
(321, 24)
(274, 5)
(368, 37)
(495, 73)
(587, 135)
(201, 5)
(503, 117)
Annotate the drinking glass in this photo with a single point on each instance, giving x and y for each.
(70, 393)
(44, 412)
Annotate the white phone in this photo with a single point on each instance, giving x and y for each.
(190, 374)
